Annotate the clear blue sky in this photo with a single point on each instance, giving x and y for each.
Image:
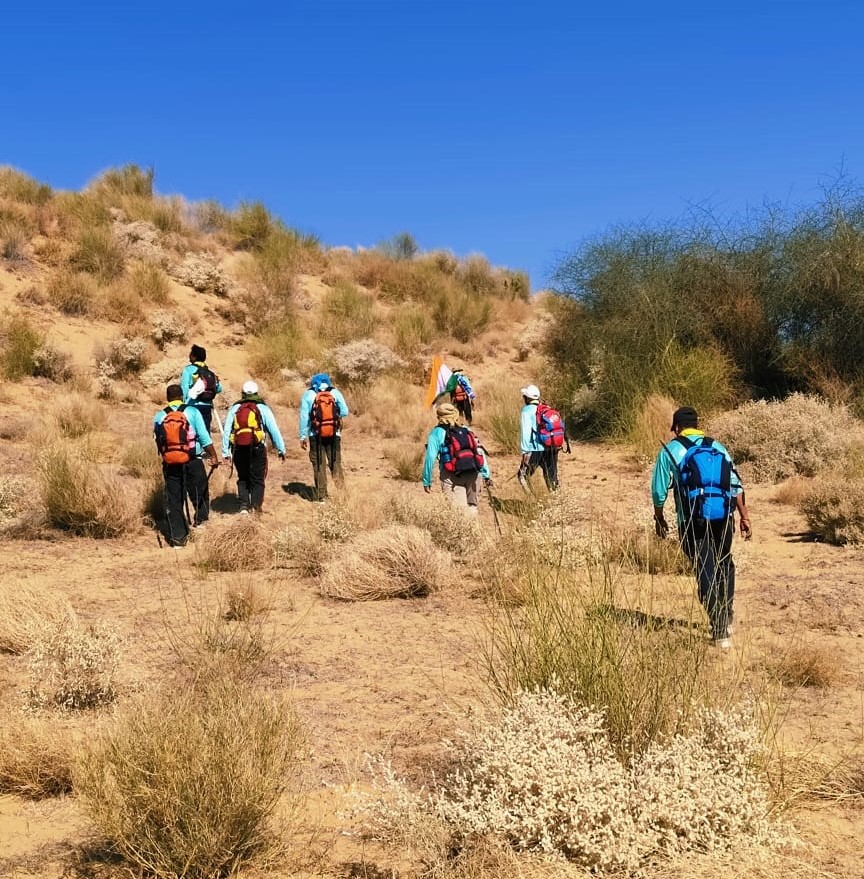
(515, 129)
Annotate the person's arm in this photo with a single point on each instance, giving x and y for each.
(465, 382)
(661, 479)
(226, 431)
(305, 413)
(202, 435)
(186, 379)
(341, 405)
(744, 516)
(272, 429)
(433, 450)
(527, 430)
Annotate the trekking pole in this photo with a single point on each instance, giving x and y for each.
(218, 421)
(493, 502)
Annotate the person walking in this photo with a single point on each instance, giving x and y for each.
(541, 436)
(247, 423)
(460, 460)
(708, 492)
(322, 411)
(462, 395)
(182, 439)
(200, 384)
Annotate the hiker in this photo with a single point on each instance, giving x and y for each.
(707, 493)
(247, 423)
(542, 435)
(200, 385)
(461, 394)
(182, 440)
(460, 459)
(322, 410)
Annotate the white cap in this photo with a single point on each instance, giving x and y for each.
(250, 388)
(532, 392)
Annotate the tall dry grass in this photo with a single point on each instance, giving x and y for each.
(37, 755)
(241, 545)
(651, 427)
(27, 608)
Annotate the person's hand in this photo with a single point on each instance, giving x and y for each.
(281, 456)
(226, 458)
(215, 462)
(304, 444)
(427, 489)
(746, 529)
(661, 526)
(488, 483)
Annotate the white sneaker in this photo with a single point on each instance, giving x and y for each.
(721, 643)
(244, 512)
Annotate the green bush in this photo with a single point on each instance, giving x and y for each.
(21, 341)
(251, 225)
(98, 253)
(348, 314)
(72, 293)
(129, 180)
(413, 329)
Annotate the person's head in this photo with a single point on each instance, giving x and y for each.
(459, 369)
(447, 415)
(250, 389)
(321, 382)
(173, 392)
(197, 354)
(531, 394)
(683, 418)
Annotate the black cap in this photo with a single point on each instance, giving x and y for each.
(174, 392)
(197, 354)
(684, 417)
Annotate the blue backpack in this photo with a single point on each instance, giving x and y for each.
(705, 488)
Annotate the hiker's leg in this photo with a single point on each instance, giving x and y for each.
(549, 465)
(207, 415)
(242, 462)
(707, 577)
(199, 490)
(257, 475)
(178, 531)
(467, 413)
(453, 486)
(722, 533)
(472, 481)
(318, 458)
(336, 461)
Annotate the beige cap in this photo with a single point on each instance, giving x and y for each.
(532, 392)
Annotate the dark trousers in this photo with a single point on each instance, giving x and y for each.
(547, 461)
(206, 411)
(463, 407)
(708, 545)
(325, 455)
(251, 465)
(182, 481)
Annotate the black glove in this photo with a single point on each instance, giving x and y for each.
(281, 456)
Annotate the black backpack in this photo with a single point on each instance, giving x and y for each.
(211, 382)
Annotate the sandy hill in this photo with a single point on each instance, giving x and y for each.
(394, 676)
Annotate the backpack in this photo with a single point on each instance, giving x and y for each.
(211, 382)
(325, 418)
(705, 489)
(460, 395)
(460, 453)
(248, 427)
(175, 438)
(550, 427)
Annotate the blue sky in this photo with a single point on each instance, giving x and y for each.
(512, 129)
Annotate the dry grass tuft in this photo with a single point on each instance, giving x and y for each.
(792, 491)
(99, 253)
(393, 562)
(73, 293)
(834, 509)
(641, 551)
(243, 601)
(36, 757)
(651, 427)
(75, 416)
(450, 528)
(243, 545)
(26, 608)
(407, 461)
(188, 783)
(806, 665)
(300, 549)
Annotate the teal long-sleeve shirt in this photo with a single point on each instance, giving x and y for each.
(666, 472)
(268, 423)
(434, 445)
(187, 379)
(306, 402)
(528, 439)
(196, 422)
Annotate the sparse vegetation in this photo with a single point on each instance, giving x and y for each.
(150, 283)
(76, 416)
(806, 665)
(297, 548)
(243, 545)
(348, 314)
(362, 361)
(36, 757)
(834, 509)
(406, 460)
(73, 293)
(99, 254)
(27, 608)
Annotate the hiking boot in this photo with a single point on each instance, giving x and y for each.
(721, 643)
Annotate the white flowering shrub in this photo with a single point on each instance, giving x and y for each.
(449, 527)
(202, 273)
(299, 549)
(544, 778)
(73, 666)
(362, 361)
(124, 355)
(165, 329)
(14, 492)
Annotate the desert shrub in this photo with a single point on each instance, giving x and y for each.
(141, 460)
(78, 497)
(13, 239)
(75, 416)
(202, 273)
(73, 666)
(125, 355)
(187, 783)
(48, 362)
(120, 305)
(792, 491)
(21, 340)
(281, 346)
(36, 757)
(460, 313)
(14, 491)
(413, 329)
(18, 186)
(641, 551)
(502, 407)
(251, 224)
(242, 545)
(128, 180)
(26, 609)
(165, 329)
(300, 549)
(449, 527)
(392, 562)
(348, 314)
(246, 600)
(544, 777)
(73, 293)
(209, 216)
(834, 509)
(406, 460)
(401, 246)
(362, 361)
(532, 340)
(150, 283)
(98, 253)
(477, 275)
(651, 427)
(805, 665)
(774, 440)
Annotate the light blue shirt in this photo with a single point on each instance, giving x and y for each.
(306, 402)
(528, 439)
(268, 424)
(434, 445)
(196, 422)
(187, 379)
(667, 472)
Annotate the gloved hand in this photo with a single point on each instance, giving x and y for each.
(281, 456)
(488, 483)
(661, 526)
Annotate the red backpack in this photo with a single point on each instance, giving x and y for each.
(175, 438)
(460, 453)
(325, 417)
(550, 427)
(248, 427)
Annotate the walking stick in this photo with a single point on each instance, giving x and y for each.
(493, 502)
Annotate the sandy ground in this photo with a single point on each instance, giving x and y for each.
(399, 676)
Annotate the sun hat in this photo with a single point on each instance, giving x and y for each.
(532, 392)
(250, 387)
